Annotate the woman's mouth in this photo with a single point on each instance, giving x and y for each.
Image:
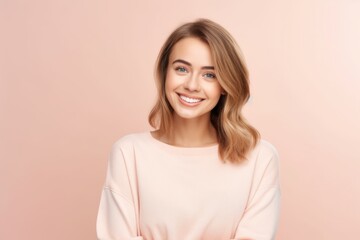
(190, 99)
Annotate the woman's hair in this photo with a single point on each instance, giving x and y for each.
(235, 136)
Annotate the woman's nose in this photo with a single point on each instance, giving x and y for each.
(192, 83)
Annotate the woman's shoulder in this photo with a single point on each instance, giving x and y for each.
(265, 153)
(266, 148)
(131, 139)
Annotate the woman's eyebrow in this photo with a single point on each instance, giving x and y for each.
(189, 64)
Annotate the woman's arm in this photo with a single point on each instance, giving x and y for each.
(260, 219)
(118, 211)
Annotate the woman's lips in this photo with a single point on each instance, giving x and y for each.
(190, 100)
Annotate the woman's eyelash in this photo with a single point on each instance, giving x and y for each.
(209, 75)
(180, 69)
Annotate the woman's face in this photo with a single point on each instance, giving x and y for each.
(191, 85)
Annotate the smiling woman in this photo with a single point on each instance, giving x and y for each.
(203, 173)
(191, 86)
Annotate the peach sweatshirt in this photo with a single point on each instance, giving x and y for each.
(156, 191)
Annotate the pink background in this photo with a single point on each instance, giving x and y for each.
(77, 75)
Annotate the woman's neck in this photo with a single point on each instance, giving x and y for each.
(190, 133)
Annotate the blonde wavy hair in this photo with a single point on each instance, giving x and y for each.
(236, 137)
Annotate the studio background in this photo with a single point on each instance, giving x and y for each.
(77, 75)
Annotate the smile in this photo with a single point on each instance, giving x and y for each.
(190, 100)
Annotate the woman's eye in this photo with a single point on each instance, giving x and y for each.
(181, 69)
(209, 75)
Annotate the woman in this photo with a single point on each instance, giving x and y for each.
(203, 173)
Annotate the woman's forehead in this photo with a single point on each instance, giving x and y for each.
(192, 50)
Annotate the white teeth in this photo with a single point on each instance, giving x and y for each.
(190, 100)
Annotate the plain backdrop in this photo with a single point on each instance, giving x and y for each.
(77, 75)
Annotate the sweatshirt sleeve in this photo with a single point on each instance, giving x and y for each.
(118, 211)
(260, 219)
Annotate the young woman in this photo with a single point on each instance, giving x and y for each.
(203, 173)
